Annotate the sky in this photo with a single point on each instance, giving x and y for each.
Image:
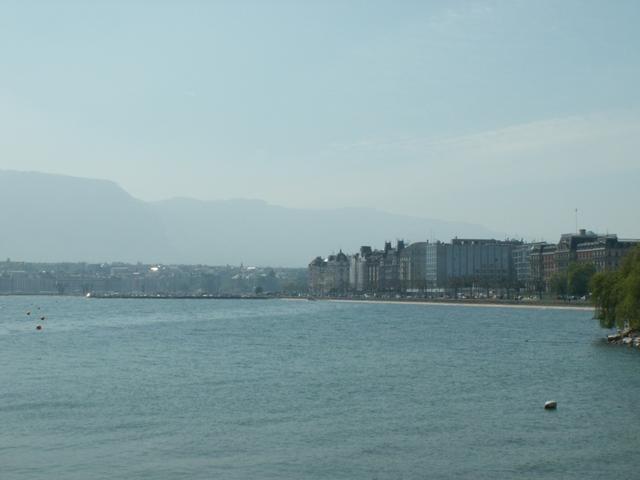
(510, 114)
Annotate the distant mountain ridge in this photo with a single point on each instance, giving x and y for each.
(47, 217)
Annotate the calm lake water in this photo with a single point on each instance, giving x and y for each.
(232, 389)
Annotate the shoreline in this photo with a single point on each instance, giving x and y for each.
(543, 306)
(402, 301)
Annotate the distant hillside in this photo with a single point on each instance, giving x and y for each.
(255, 232)
(59, 218)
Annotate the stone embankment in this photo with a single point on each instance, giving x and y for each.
(628, 337)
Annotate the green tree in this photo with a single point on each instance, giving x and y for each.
(603, 288)
(558, 283)
(617, 293)
(578, 277)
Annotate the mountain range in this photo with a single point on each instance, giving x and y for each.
(53, 218)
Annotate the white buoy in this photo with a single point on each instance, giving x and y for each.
(550, 405)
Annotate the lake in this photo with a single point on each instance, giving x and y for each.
(277, 389)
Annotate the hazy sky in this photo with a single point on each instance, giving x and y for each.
(509, 114)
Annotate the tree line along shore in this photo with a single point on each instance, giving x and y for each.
(616, 297)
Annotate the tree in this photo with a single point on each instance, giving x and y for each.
(604, 291)
(558, 283)
(578, 278)
(617, 293)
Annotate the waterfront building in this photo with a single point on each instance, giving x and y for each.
(355, 272)
(372, 265)
(521, 264)
(329, 276)
(123, 279)
(389, 278)
(605, 252)
(549, 262)
(20, 282)
(413, 263)
(463, 263)
(566, 253)
(5, 283)
(316, 276)
(436, 264)
(527, 264)
(470, 261)
(481, 261)
(358, 270)
(540, 256)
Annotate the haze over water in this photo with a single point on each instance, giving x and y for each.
(317, 390)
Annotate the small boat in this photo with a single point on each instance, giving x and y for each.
(550, 405)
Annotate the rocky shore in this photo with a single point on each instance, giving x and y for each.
(628, 337)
